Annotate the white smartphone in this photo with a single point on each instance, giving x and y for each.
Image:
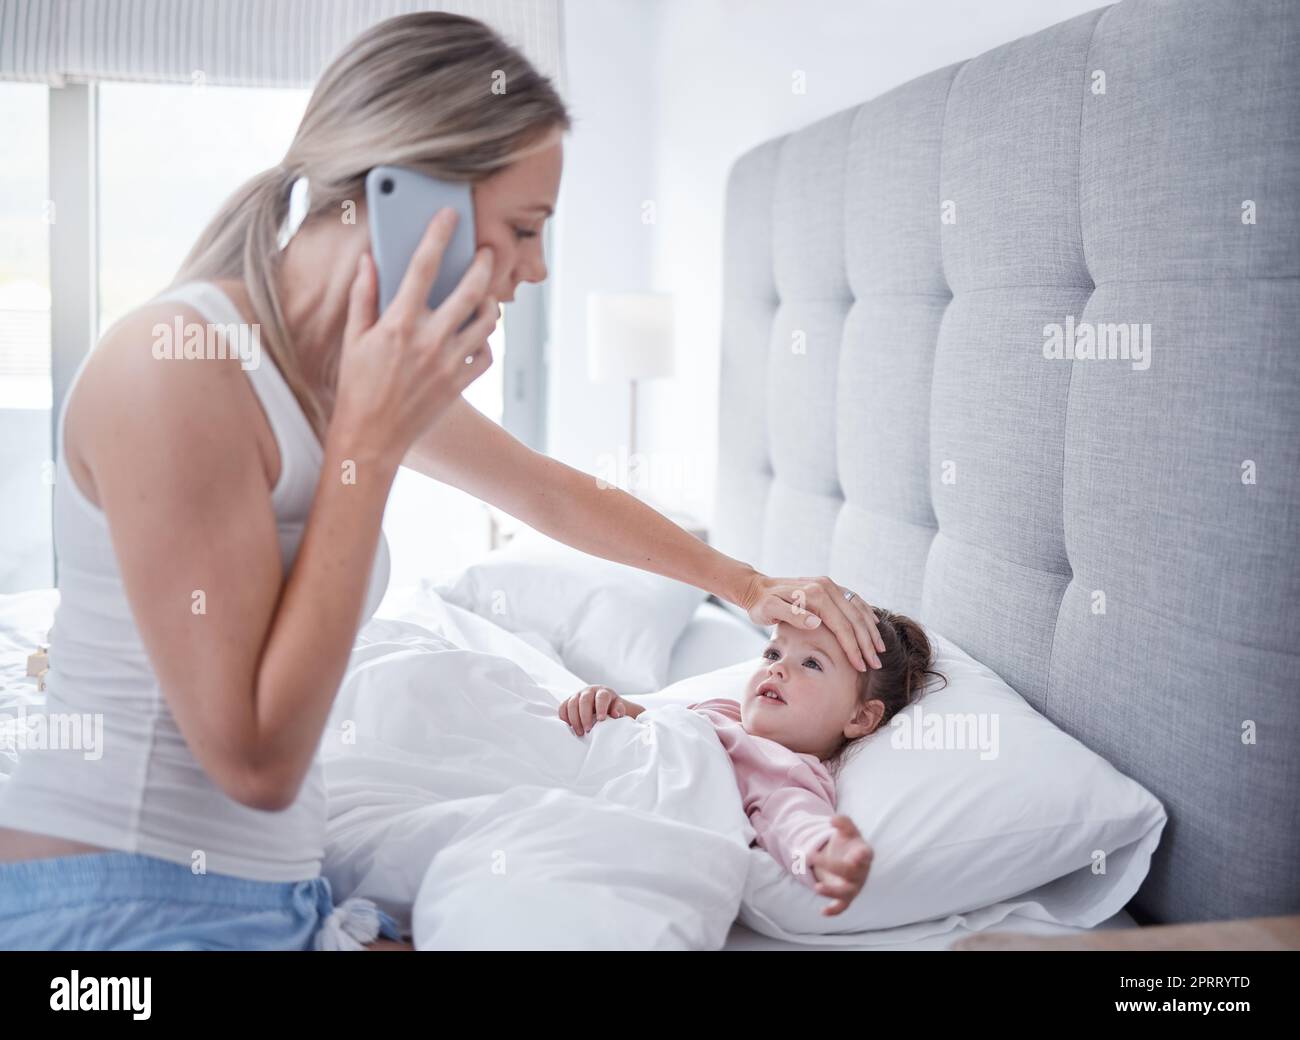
(401, 203)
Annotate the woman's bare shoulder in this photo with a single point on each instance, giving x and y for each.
(139, 382)
(131, 347)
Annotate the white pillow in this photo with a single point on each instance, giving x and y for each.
(1003, 825)
(420, 605)
(714, 639)
(611, 624)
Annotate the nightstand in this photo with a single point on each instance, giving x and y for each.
(1254, 933)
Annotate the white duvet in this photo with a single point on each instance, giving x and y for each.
(463, 805)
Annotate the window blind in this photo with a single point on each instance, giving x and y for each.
(246, 43)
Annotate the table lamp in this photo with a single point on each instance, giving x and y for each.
(629, 336)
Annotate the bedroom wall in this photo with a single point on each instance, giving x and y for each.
(670, 94)
(599, 242)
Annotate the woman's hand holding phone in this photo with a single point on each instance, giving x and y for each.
(400, 371)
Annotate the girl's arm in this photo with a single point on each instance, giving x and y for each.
(793, 823)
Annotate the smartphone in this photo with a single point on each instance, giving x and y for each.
(401, 203)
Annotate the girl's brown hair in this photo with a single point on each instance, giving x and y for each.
(906, 668)
(436, 92)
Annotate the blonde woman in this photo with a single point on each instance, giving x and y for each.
(218, 527)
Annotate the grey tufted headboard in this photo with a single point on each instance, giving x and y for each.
(1117, 539)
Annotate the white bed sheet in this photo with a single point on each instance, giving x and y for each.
(714, 638)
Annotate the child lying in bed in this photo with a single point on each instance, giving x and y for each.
(802, 709)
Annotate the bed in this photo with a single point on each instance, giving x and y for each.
(889, 274)
(713, 638)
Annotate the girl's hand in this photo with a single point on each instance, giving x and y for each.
(808, 602)
(841, 865)
(591, 704)
(400, 371)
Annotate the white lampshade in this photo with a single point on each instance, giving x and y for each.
(629, 336)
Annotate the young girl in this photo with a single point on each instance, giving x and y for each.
(802, 709)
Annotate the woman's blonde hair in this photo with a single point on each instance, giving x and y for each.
(435, 92)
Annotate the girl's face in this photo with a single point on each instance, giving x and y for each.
(510, 208)
(804, 694)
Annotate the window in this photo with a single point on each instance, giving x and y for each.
(26, 475)
(167, 157)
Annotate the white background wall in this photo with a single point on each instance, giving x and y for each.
(666, 96)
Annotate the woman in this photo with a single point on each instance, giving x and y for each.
(218, 528)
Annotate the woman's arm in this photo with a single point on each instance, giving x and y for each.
(248, 671)
(248, 662)
(469, 451)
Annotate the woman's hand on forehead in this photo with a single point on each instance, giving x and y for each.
(798, 601)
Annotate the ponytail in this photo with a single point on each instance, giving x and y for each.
(242, 241)
(917, 655)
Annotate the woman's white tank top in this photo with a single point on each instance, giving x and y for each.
(141, 790)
